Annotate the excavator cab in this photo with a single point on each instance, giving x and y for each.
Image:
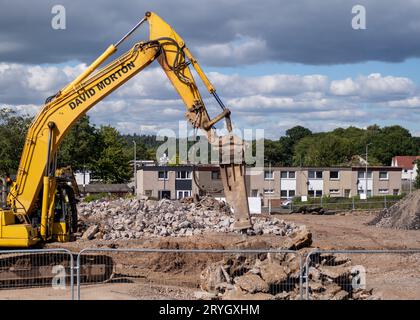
(62, 223)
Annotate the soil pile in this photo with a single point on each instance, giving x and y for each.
(405, 214)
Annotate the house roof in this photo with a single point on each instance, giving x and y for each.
(405, 162)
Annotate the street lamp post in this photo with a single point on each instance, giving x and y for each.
(411, 181)
(135, 168)
(366, 177)
(271, 189)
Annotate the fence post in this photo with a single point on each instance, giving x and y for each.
(385, 204)
(352, 202)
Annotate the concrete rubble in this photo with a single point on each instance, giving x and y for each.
(313, 210)
(405, 214)
(134, 218)
(276, 277)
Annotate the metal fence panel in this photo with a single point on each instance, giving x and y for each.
(188, 274)
(36, 274)
(362, 274)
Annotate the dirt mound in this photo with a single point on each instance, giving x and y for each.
(196, 262)
(177, 261)
(405, 214)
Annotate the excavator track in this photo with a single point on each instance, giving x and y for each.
(38, 270)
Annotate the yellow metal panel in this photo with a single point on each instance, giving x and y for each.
(64, 112)
(15, 235)
(60, 233)
(159, 29)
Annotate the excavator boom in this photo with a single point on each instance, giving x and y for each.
(37, 170)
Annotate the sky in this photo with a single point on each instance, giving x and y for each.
(275, 63)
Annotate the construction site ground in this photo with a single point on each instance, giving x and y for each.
(170, 276)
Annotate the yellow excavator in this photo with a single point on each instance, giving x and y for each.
(41, 203)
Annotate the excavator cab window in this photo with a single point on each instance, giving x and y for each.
(65, 207)
(60, 206)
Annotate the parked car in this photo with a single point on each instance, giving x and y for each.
(286, 204)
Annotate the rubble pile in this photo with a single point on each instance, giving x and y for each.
(405, 214)
(276, 277)
(133, 218)
(313, 210)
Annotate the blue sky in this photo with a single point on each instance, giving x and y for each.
(282, 64)
(408, 68)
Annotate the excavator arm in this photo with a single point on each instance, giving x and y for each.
(37, 166)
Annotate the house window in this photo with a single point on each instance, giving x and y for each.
(254, 193)
(334, 175)
(347, 193)
(183, 175)
(163, 175)
(315, 174)
(183, 194)
(215, 175)
(315, 193)
(383, 191)
(383, 175)
(362, 174)
(288, 174)
(334, 191)
(164, 194)
(268, 191)
(287, 193)
(268, 175)
(396, 192)
(362, 191)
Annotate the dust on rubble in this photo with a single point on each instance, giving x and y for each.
(135, 219)
(405, 214)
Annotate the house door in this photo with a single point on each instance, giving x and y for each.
(164, 194)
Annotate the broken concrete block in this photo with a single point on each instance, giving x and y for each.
(90, 232)
(273, 273)
(251, 283)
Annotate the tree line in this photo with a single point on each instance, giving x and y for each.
(106, 153)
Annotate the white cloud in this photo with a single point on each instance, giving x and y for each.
(413, 102)
(374, 86)
(269, 84)
(273, 102)
(242, 50)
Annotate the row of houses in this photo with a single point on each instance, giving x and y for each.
(276, 183)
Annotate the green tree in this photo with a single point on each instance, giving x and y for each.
(274, 152)
(80, 146)
(112, 164)
(288, 142)
(298, 132)
(13, 130)
(322, 150)
(391, 141)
